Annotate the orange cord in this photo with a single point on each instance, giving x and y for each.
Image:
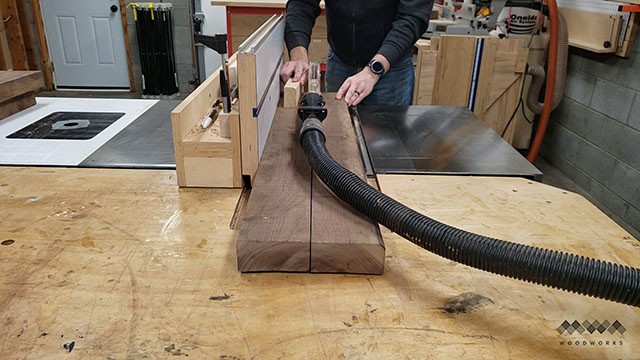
(551, 81)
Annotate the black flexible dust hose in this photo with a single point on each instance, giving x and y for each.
(556, 269)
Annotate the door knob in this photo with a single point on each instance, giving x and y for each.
(114, 8)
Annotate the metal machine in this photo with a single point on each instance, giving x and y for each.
(476, 17)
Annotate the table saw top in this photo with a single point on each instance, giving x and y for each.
(437, 140)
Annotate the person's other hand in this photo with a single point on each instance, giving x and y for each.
(357, 87)
(297, 67)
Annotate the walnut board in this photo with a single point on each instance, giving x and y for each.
(293, 223)
(342, 239)
(274, 233)
(143, 269)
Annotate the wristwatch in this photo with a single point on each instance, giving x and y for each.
(376, 67)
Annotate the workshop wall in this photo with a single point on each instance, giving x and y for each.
(594, 135)
(182, 40)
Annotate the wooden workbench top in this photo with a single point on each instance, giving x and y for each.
(123, 264)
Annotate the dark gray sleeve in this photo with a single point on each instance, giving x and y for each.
(410, 23)
(299, 20)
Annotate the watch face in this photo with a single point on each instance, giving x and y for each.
(377, 67)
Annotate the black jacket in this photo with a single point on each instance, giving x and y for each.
(358, 29)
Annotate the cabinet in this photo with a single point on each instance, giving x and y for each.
(601, 32)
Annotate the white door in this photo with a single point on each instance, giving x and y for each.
(86, 43)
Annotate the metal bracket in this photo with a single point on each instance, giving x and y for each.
(217, 43)
(198, 19)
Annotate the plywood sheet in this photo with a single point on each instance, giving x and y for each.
(204, 171)
(592, 31)
(454, 70)
(500, 82)
(191, 141)
(141, 268)
(626, 49)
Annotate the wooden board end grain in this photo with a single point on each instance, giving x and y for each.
(292, 92)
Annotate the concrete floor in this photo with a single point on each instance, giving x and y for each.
(554, 177)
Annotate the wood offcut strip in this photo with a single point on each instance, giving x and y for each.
(274, 233)
(342, 239)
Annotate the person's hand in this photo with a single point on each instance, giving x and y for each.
(357, 87)
(297, 67)
(360, 85)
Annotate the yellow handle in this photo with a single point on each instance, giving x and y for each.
(135, 10)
